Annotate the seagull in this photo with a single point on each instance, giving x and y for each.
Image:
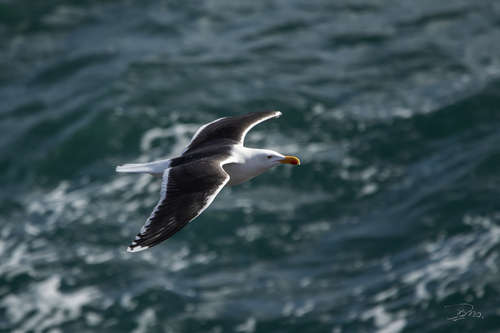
(214, 158)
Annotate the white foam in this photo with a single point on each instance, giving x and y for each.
(45, 306)
(307, 307)
(250, 233)
(386, 294)
(385, 322)
(181, 132)
(248, 326)
(452, 257)
(147, 320)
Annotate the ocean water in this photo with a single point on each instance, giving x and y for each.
(391, 222)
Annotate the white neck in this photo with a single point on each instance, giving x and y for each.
(244, 165)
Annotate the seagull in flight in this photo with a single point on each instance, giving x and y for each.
(214, 158)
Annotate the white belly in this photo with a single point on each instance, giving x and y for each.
(240, 173)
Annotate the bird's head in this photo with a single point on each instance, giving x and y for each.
(271, 158)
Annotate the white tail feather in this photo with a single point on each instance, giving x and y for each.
(154, 168)
(130, 168)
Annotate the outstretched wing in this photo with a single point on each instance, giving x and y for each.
(186, 191)
(229, 128)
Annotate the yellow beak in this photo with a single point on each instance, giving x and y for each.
(290, 160)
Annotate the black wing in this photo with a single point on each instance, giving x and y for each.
(229, 128)
(186, 191)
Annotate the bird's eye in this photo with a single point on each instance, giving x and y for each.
(269, 156)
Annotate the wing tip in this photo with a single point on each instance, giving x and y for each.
(277, 113)
(136, 248)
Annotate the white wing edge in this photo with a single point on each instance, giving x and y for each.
(275, 114)
(163, 196)
(198, 131)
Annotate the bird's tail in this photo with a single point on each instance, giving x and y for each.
(153, 168)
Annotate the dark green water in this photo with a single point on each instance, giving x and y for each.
(393, 107)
